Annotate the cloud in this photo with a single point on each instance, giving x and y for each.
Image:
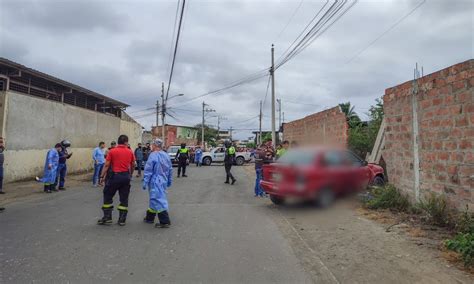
(122, 49)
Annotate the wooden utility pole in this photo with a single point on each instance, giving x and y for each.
(272, 73)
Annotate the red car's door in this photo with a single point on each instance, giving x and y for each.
(358, 171)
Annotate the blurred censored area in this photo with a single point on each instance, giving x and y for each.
(318, 173)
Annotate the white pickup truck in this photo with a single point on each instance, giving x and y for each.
(217, 155)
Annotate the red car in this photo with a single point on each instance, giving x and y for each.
(318, 174)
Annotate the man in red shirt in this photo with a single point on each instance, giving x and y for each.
(122, 161)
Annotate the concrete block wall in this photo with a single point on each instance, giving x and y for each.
(32, 125)
(325, 127)
(445, 117)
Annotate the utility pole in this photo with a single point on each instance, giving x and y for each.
(279, 113)
(259, 140)
(219, 118)
(157, 114)
(163, 112)
(204, 111)
(272, 73)
(230, 134)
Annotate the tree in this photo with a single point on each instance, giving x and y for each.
(250, 145)
(210, 134)
(351, 116)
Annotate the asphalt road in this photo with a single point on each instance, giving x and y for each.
(219, 234)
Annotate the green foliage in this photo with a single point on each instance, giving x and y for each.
(436, 209)
(351, 116)
(387, 197)
(465, 222)
(210, 134)
(463, 243)
(267, 137)
(362, 135)
(250, 145)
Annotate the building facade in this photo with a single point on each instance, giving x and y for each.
(38, 110)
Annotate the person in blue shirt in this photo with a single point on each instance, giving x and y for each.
(50, 169)
(62, 168)
(198, 156)
(157, 178)
(98, 155)
(139, 159)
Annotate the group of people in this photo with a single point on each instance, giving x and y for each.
(116, 174)
(55, 168)
(266, 154)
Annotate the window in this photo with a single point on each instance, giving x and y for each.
(333, 159)
(353, 160)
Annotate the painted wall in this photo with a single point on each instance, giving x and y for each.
(32, 125)
(444, 107)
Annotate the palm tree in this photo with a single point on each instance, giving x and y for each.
(351, 116)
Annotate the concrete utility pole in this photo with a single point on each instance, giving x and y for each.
(259, 140)
(219, 118)
(157, 114)
(230, 133)
(163, 112)
(272, 73)
(204, 111)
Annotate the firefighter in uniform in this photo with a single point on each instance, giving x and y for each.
(229, 159)
(182, 156)
(122, 162)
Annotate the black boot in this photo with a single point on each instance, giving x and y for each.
(46, 188)
(233, 181)
(107, 219)
(52, 187)
(150, 217)
(122, 217)
(164, 219)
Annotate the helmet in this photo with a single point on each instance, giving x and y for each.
(183, 145)
(227, 143)
(65, 143)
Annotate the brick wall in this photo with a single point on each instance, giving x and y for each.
(445, 112)
(328, 127)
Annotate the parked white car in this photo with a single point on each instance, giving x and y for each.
(217, 155)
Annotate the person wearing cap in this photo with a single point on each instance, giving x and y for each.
(62, 167)
(229, 160)
(157, 177)
(122, 162)
(50, 169)
(182, 156)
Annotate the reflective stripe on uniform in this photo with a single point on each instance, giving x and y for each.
(123, 208)
(105, 206)
(231, 150)
(183, 151)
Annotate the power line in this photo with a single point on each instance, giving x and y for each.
(387, 31)
(331, 15)
(266, 92)
(174, 33)
(175, 48)
(289, 21)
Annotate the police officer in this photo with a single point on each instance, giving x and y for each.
(62, 168)
(229, 159)
(122, 161)
(182, 155)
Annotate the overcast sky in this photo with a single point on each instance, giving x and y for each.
(122, 50)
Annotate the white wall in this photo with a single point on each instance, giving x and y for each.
(32, 125)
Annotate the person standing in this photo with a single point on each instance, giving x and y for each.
(99, 160)
(229, 159)
(182, 156)
(62, 168)
(139, 158)
(157, 178)
(2, 160)
(260, 158)
(198, 156)
(122, 161)
(50, 169)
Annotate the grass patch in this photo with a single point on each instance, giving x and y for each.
(435, 207)
(463, 244)
(387, 197)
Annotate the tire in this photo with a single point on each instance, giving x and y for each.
(240, 161)
(325, 198)
(277, 200)
(207, 161)
(378, 181)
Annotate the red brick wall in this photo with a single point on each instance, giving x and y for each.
(328, 126)
(446, 134)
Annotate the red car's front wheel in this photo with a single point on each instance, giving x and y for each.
(277, 200)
